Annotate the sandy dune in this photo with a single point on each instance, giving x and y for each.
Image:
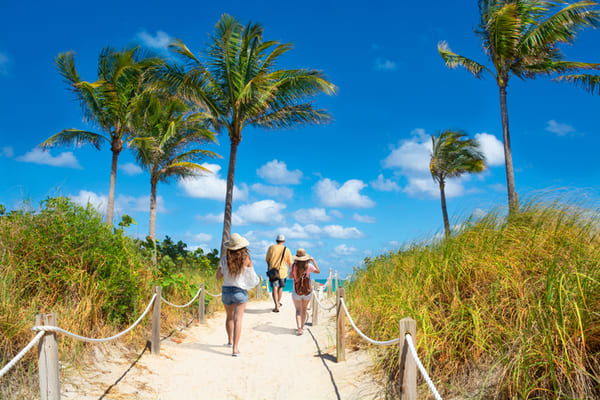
(275, 364)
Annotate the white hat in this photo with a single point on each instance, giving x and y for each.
(280, 238)
(236, 242)
(301, 255)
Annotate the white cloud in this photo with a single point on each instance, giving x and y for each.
(384, 185)
(492, 148)
(344, 250)
(210, 186)
(159, 41)
(383, 64)
(339, 232)
(280, 192)
(7, 152)
(331, 194)
(312, 232)
(97, 201)
(130, 169)
(201, 237)
(265, 212)
(412, 154)
(123, 203)
(276, 172)
(559, 129)
(336, 213)
(426, 185)
(364, 218)
(311, 215)
(4, 64)
(39, 156)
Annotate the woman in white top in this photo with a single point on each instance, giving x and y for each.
(303, 266)
(234, 297)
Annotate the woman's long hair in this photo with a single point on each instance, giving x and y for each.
(236, 260)
(301, 267)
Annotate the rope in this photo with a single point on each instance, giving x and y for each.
(185, 305)
(214, 295)
(362, 334)
(49, 328)
(15, 360)
(321, 305)
(411, 347)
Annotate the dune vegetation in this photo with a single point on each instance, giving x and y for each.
(505, 308)
(64, 259)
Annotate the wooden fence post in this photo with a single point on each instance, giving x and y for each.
(407, 384)
(259, 287)
(155, 342)
(336, 281)
(340, 339)
(201, 304)
(315, 305)
(48, 360)
(329, 283)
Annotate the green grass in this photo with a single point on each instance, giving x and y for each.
(504, 309)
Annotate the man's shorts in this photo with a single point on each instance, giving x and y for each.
(278, 283)
(233, 295)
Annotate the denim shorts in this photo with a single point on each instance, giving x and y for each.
(233, 295)
(278, 283)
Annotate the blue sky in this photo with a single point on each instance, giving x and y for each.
(355, 188)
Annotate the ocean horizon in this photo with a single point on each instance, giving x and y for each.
(289, 283)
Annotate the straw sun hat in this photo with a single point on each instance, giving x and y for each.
(301, 255)
(236, 242)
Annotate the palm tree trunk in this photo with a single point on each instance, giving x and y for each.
(110, 207)
(513, 201)
(152, 229)
(229, 194)
(152, 233)
(444, 209)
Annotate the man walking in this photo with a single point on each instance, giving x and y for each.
(278, 257)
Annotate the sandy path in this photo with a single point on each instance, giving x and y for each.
(275, 364)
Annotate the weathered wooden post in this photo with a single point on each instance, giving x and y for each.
(408, 366)
(336, 281)
(201, 303)
(259, 287)
(315, 305)
(48, 360)
(155, 342)
(340, 339)
(329, 283)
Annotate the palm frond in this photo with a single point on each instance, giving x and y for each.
(590, 83)
(454, 60)
(74, 137)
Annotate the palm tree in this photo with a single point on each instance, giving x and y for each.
(522, 38)
(451, 156)
(165, 142)
(238, 85)
(106, 103)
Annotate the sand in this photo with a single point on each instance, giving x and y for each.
(275, 363)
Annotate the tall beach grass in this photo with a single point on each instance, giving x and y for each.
(505, 309)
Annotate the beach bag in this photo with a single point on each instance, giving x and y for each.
(302, 285)
(249, 279)
(273, 273)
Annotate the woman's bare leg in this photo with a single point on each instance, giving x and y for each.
(229, 310)
(303, 314)
(298, 306)
(238, 314)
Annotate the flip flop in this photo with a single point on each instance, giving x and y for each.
(235, 354)
(275, 310)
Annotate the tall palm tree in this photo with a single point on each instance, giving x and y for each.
(106, 103)
(238, 85)
(522, 38)
(452, 155)
(166, 142)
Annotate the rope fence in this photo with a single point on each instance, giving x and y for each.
(47, 330)
(407, 330)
